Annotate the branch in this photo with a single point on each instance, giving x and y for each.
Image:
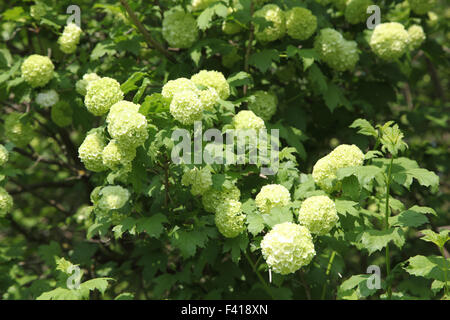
(148, 38)
(249, 44)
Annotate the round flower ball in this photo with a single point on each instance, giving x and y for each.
(4, 155)
(113, 198)
(18, 130)
(80, 85)
(229, 219)
(231, 27)
(47, 98)
(116, 154)
(61, 114)
(208, 98)
(416, 36)
(337, 52)
(272, 195)
(421, 6)
(6, 202)
(200, 180)
(126, 124)
(356, 11)
(179, 29)
(186, 107)
(101, 95)
(300, 23)
(287, 248)
(70, 38)
(90, 151)
(246, 119)
(273, 14)
(389, 40)
(318, 214)
(264, 104)
(37, 70)
(346, 155)
(212, 197)
(177, 85)
(213, 79)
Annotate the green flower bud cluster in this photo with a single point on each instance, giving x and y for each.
(82, 84)
(300, 23)
(324, 171)
(4, 155)
(213, 79)
(287, 248)
(271, 13)
(179, 29)
(6, 202)
(271, 196)
(37, 70)
(318, 214)
(389, 40)
(229, 218)
(200, 180)
(116, 154)
(70, 38)
(264, 104)
(18, 129)
(186, 107)
(356, 11)
(212, 197)
(101, 95)
(61, 114)
(246, 119)
(47, 98)
(113, 198)
(198, 5)
(340, 54)
(421, 6)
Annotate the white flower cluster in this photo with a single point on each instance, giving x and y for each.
(318, 214)
(200, 180)
(416, 36)
(287, 248)
(190, 97)
(389, 40)
(270, 196)
(101, 94)
(82, 84)
(300, 23)
(47, 98)
(246, 119)
(212, 197)
(69, 39)
(91, 151)
(37, 70)
(356, 10)
(324, 171)
(6, 202)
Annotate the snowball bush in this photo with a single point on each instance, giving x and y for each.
(101, 95)
(229, 219)
(318, 214)
(37, 70)
(70, 38)
(272, 195)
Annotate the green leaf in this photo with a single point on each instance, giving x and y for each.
(125, 296)
(365, 174)
(255, 222)
(60, 294)
(308, 56)
(355, 287)
(205, 18)
(364, 127)
(152, 225)
(350, 187)
(263, 59)
(277, 215)
(239, 79)
(345, 206)
(188, 241)
(50, 252)
(413, 217)
(236, 245)
(127, 224)
(318, 79)
(334, 97)
(430, 267)
(106, 47)
(130, 84)
(376, 240)
(438, 239)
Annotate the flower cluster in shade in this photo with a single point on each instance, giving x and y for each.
(112, 198)
(18, 129)
(229, 218)
(200, 180)
(179, 28)
(270, 196)
(101, 94)
(263, 104)
(47, 98)
(318, 214)
(337, 52)
(6, 201)
(325, 169)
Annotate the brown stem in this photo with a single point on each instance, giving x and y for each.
(148, 38)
